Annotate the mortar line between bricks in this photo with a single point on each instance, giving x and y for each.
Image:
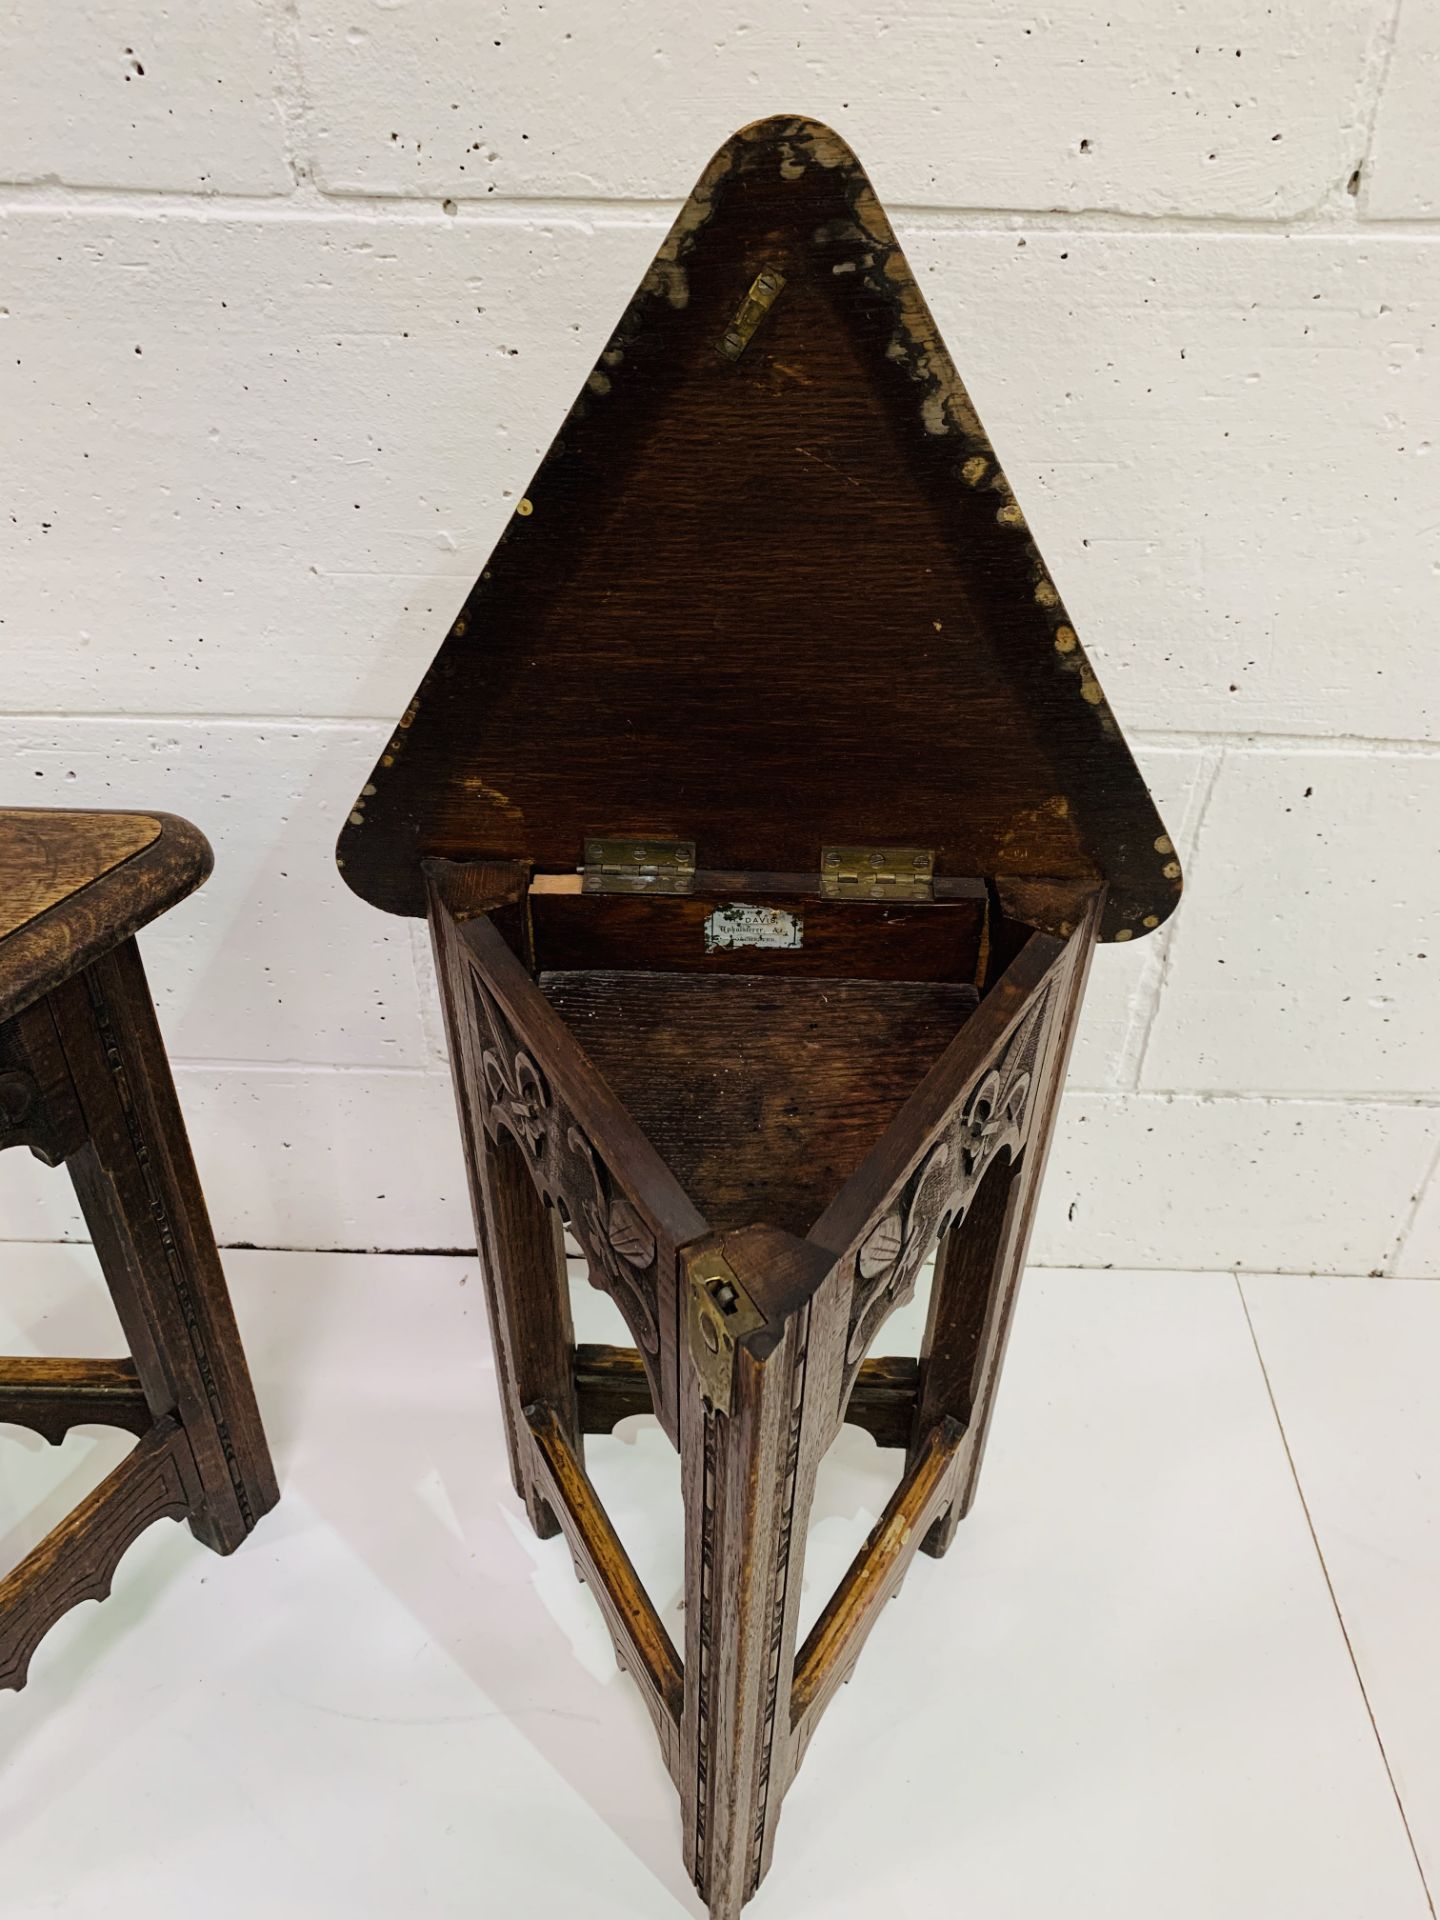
(1244, 741)
(310, 202)
(1260, 740)
(1265, 1097)
(134, 718)
(1340, 1620)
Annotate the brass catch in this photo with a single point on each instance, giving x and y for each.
(718, 1312)
(753, 309)
(639, 866)
(877, 873)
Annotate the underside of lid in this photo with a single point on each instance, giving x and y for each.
(769, 591)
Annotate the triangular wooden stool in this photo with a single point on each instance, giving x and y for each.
(766, 811)
(84, 1083)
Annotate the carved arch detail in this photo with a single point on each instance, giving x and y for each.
(619, 1244)
(992, 1120)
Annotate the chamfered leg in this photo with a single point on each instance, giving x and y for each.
(142, 1200)
(521, 1244)
(747, 1498)
(980, 1265)
(974, 1274)
(459, 1031)
(525, 1251)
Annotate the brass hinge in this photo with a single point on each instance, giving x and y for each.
(877, 873)
(639, 866)
(718, 1312)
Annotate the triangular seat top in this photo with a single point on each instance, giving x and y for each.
(74, 884)
(769, 591)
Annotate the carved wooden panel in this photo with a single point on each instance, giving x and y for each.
(621, 1243)
(77, 1559)
(37, 1101)
(991, 1119)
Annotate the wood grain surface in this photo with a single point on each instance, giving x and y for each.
(74, 885)
(45, 857)
(769, 593)
(761, 1095)
(768, 602)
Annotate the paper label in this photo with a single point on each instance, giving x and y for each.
(741, 925)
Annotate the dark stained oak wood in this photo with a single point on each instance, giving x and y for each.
(52, 1396)
(834, 1642)
(77, 1560)
(972, 1270)
(772, 602)
(610, 1385)
(769, 593)
(1020, 1219)
(140, 1193)
(761, 1095)
(643, 1646)
(928, 940)
(84, 1082)
(526, 1077)
(932, 1102)
(48, 859)
(744, 1542)
(534, 1320)
(73, 885)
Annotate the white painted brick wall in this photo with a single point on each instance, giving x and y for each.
(293, 294)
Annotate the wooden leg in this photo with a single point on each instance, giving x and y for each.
(745, 1517)
(975, 1272)
(469, 1104)
(1028, 1178)
(521, 1245)
(77, 1560)
(977, 1281)
(141, 1196)
(525, 1252)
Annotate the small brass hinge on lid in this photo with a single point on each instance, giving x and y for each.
(718, 1313)
(877, 873)
(639, 866)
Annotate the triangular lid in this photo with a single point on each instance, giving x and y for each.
(769, 591)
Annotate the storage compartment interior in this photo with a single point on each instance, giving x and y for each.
(764, 1075)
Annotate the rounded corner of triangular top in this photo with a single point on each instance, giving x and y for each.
(770, 580)
(798, 139)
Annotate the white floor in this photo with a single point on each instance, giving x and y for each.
(1183, 1662)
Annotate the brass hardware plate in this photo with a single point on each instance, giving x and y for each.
(639, 866)
(753, 309)
(877, 873)
(718, 1312)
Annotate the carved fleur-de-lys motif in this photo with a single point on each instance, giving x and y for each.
(891, 1253)
(939, 1192)
(617, 1240)
(993, 1118)
(513, 1081)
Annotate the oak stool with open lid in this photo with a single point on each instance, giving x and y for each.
(766, 811)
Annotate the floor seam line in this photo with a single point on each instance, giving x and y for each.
(1334, 1599)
